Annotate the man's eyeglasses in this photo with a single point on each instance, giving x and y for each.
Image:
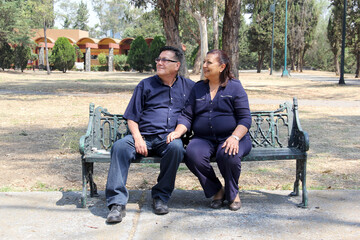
(164, 60)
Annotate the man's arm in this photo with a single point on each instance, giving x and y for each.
(140, 145)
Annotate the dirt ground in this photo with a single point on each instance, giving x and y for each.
(42, 118)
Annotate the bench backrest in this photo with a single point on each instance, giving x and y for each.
(269, 128)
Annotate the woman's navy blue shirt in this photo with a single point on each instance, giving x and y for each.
(216, 119)
(156, 106)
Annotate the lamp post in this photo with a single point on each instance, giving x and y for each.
(272, 10)
(341, 80)
(285, 72)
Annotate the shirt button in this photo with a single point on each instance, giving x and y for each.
(210, 126)
(170, 109)
(210, 110)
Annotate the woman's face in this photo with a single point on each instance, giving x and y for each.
(212, 67)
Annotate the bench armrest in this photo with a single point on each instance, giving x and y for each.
(84, 143)
(298, 138)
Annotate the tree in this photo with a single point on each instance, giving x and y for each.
(138, 57)
(215, 25)
(260, 31)
(354, 32)
(33, 58)
(82, 17)
(149, 24)
(22, 56)
(66, 13)
(302, 21)
(230, 33)
(63, 55)
(14, 23)
(42, 14)
(155, 46)
(6, 55)
(334, 29)
(198, 10)
(114, 16)
(169, 12)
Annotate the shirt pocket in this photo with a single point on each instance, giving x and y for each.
(225, 103)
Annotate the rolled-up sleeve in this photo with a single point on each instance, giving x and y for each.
(242, 109)
(136, 104)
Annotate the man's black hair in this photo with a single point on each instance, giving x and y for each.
(178, 53)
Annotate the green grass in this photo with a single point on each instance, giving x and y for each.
(43, 187)
(8, 189)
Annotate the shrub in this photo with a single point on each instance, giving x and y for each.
(138, 56)
(63, 55)
(155, 46)
(120, 62)
(102, 58)
(100, 68)
(6, 55)
(22, 56)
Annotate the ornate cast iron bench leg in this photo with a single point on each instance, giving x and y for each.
(93, 188)
(304, 203)
(297, 178)
(84, 181)
(300, 175)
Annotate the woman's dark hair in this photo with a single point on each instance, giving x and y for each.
(176, 51)
(223, 58)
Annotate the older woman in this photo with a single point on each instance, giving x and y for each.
(218, 113)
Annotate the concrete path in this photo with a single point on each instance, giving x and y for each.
(264, 215)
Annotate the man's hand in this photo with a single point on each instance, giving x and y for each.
(140, 146)
(172, 136)
(177, 133)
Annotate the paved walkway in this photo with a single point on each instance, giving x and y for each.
(264, 215)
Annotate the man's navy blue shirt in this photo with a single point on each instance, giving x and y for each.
(156, 106)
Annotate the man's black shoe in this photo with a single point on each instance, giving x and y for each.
(116, 213)
(160, 207)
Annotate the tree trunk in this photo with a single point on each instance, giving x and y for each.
(357, 65)
(336, 65)
(46, 51)
(197, 62)
(261, 56)
(169, 13)
(216, 25)
(230, 33)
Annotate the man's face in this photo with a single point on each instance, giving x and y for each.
(165, 67)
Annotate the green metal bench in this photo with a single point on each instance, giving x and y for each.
(276, 135)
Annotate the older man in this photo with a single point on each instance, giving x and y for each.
(151, 115)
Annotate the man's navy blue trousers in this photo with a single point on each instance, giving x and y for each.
(123, 152)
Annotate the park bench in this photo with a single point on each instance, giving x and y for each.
(275, 135)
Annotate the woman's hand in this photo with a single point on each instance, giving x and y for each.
(231, 146)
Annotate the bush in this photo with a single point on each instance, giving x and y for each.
(100, 68)
(102, 58)
(63, 55)
(155, 46)
(120, 62)
(22, 56)
(138, 56)
(6, 55)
